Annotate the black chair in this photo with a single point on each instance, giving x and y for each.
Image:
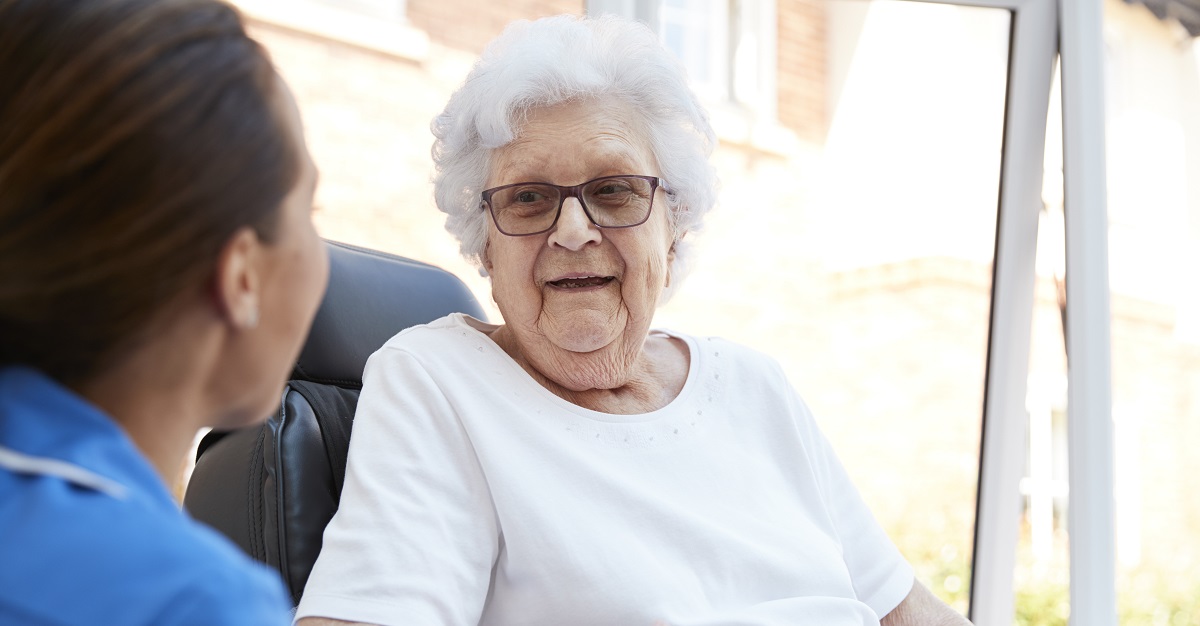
(273, 488)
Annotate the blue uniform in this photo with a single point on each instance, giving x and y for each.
(89, 534)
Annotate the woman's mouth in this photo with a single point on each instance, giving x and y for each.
(580, 282)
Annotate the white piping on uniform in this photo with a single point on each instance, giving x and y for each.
(26, 464)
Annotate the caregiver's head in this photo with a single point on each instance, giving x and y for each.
(155, 204)
(572, 164)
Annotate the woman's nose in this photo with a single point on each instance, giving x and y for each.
(573, 230)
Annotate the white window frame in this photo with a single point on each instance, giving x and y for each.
(1090, 524)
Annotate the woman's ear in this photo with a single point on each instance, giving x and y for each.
(485, 258)
(671, 259)
(236, 280)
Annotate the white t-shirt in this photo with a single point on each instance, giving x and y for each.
(473, 495)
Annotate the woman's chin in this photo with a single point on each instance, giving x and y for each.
(582, 342)
(586, 332)
(582, 330)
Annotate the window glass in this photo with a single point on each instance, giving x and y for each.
(697, 32)
(728, 48)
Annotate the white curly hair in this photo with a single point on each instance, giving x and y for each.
(559, 59)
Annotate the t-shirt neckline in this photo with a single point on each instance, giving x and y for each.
(681, 399)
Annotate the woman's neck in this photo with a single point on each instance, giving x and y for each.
(646, 382)
(158, 395)
(158, 420)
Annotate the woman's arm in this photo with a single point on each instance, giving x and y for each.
(922, 608)
(415, 534)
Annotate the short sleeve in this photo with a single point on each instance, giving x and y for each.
(881, 576)
(415, 536)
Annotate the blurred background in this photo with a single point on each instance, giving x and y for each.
(860, 164)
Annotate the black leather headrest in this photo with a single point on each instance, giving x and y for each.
(358, 315)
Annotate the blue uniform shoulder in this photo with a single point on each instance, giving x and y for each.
(79, 556)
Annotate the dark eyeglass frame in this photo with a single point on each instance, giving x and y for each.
(573, 191)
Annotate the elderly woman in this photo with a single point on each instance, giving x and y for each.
(571, 465)
(158, 273)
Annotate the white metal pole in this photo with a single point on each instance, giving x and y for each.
(1089, 368)
(1002, 455)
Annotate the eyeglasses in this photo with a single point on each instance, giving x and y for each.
(610, 202)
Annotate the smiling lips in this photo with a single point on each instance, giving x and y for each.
(581, 281)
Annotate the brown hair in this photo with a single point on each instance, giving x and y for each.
(136, 136)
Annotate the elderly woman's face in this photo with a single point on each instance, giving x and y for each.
(579, 289)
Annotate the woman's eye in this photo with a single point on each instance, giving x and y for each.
(611, 188)
(527, 196)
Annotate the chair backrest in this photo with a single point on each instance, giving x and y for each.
(272, 488)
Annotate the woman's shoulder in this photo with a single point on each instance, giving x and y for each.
(85, 556)
(217, 579)
(249, 591)
(447, 332)
(448, 345)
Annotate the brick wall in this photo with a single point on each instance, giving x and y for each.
(445, 20)
(801, 41)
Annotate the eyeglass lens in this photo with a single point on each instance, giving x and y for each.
(611, 202)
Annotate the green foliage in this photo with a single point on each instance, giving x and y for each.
(1153, 594)
(1047, 605)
